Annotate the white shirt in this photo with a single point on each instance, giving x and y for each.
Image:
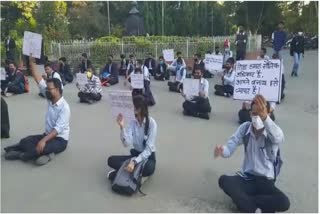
(229, 78)
(203, 87)
(133, 135)
(181, 75)
(265, 57)
(57, 76)
(57, 116)
(145, 72)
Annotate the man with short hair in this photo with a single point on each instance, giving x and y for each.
(279, 38)
(65, 71)
(110, 73)
(43, 147)
(241, 44)
(91, 92)
(263, 54)
(253, 188)
(228, 78)
(85, 63)
(150, 63)
(49, 74)
(15, 81)
(297, 51)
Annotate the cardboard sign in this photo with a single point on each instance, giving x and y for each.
(82, 79)
(137, 81)
(213, 63)
(191, 87)
(121, 102)
(168, 55)
(32, 44)
(254, 77)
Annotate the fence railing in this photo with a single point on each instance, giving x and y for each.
(98, 51)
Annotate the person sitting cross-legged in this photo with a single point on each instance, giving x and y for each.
(162, 73)
(226, 89)
(253, 188)
(54, 140)
(110, 73)
(179, 67)
(14, 82)
(91, 92)
(198, 106)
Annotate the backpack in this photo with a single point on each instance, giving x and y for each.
(277, 161)
(25, 82)
(126, 183)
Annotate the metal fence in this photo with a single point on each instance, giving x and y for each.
(98, 51)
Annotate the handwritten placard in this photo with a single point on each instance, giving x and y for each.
(168, 55)
(121, 102)
(82, 79)
(258, 77)
(137, 81)
(213, 63)
(32, 44)
(191, 87)
(3, 74)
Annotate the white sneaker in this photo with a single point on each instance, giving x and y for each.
(111, 171)
(258, 210)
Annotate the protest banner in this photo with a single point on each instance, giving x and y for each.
(213, 63)
(254, 77)
(121, 102)
(82, 79)
(3, 74)
(32, 44)
(137, 81)
(191, 87)
(168, 55)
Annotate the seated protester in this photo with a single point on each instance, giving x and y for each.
(146, 92)
(110, 73)
(244, 113)
(123, 65)
(91, 92)
(162, 73)
(217, 51)
(179, 60)
(15, 83)
(5, 123)
(283, 81)
(50, 74)
(253, 188)
(141, 135)
(198, 63)
(85, 63)
(131, 65)
(150, 63)
(198, 106)
(180, 75)
(55, 139)
(65, 71)
(263, 54)
(226, 89)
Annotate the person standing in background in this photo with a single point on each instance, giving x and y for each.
(241, 44)
(279, 39)
(297, 50)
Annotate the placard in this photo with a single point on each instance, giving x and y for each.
(32, 44)
(121, 102)
(82, 79)
(191, 87)
(137, 81)
(168, 55)
(254, 77)
(213, 63)
(3, 74)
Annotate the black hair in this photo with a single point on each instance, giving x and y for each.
(209, 52)
(217, 47)
(198, 68)
(47, 64)
(63, 59)
(122, 56)
(56, 82)
(139, 102)
(230, 60)
(275, 56)
(84, 55)
(139, 61)
(179, 61)
(179, 53)
(198, 55)
(264, 50)
(268, 106)
(12, 62)
(161, 57)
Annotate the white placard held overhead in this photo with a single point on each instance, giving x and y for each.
(32, 44)
(213, 63)
(168, 55)
(258, 77)
(82, 79)
(137, 81)
(191, 87)
(121, 102)
(3, 74)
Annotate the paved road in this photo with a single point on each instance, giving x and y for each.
(186, 178)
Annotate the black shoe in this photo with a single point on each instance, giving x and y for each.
(111, 175)
(13, 155)
(283, 96)
(204, 116)
(296, 74)
(292, 73)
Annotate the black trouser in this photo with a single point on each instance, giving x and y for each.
(15, 89)
(116, 162)
(122, 72)
(222, 89)
(244, 116)
(151, 71)
(241, 54)
(147, 93)
(85, 97)
(159, 76)
(68, 77)
(260, 193)
(28, 146)
(201, 105)
(5, 123)
(173, 86)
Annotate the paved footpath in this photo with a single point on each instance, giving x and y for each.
(186, 178)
